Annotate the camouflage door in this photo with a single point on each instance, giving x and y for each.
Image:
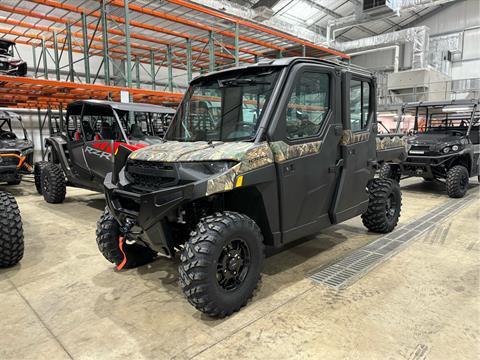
(357, 147)
(306, 152)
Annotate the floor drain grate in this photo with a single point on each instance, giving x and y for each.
(356, 264)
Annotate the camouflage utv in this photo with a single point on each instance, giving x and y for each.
(254, 159)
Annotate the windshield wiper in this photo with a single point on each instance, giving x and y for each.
(240, 82)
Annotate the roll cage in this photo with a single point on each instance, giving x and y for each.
(442, 116)
(6, 123)
(106, 120)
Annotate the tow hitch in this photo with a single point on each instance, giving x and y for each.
(124, 230)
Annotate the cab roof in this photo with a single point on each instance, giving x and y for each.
(465, 102)
(76, 106)
(284, 62)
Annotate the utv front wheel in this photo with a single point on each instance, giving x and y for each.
(221, 263)
(37, 174)
(457, 181)
(53, 183)
(11, 231)
(108, 232)
(385, 201)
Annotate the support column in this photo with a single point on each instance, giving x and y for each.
(40, 128)
(86, 48)
(152, 69)
(44, 58)
(56, 55)
(128, 46)
(211, 52)
(189, 60)
(237, 50)
(34, 57)
(170, 68)
(106, 60)
(137, 71)
(71, 73)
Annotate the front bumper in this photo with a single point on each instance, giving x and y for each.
(427, 166)
(12, 166)
(147, 211)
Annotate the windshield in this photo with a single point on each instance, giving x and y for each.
(11, 130)
(226, 108)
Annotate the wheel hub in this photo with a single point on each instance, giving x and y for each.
(233, 264)
(390, 207)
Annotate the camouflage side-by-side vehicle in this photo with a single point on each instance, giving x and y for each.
(289, 149)
(444, 144)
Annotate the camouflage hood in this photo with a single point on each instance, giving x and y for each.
(175, 151)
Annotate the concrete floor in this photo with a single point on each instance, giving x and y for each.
(65, 301)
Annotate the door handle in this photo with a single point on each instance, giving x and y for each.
(336, 168)
(288, 169)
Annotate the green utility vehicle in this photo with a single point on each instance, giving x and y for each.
(289, 150)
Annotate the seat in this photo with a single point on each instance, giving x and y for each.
(136, 132)
(106, 131)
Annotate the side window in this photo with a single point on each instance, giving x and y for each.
(359, 105)
(308, 105)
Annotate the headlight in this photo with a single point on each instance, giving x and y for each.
(208, 167)
(446, 150)
(455, 147)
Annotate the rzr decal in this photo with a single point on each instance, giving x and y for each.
(97, 152)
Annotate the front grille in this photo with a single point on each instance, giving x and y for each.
(420, 147)
(148, 176)
(8, 160)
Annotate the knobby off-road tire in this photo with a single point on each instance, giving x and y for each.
(457, 181)
(53, 183)
(385, 202)
(37, 174)
(108, 232)
(11, 231)
(221, 263)
(388, 171)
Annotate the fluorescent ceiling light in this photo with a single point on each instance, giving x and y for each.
(387, 114)
(457, 109)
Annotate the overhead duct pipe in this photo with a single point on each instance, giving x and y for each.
(396, 57)
(417, 36)
(335, 25)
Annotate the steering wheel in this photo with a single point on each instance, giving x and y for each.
(246, 126)
(7, 135)
(458, 132)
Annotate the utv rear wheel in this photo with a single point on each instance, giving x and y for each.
(108, 232)
(457, 181)
(53, 183)
(385, 201)
(221, 263)
(388, 171)
(37, 174)
(11, 231)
